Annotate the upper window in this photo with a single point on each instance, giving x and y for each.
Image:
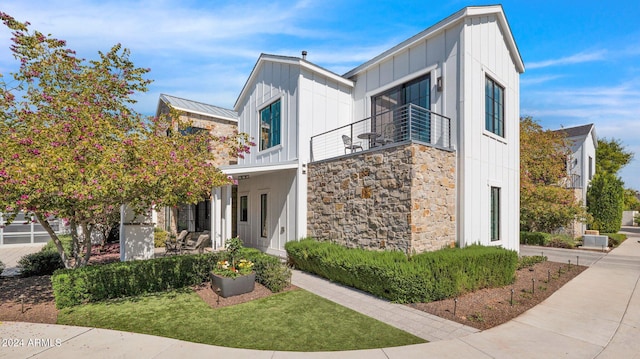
(494, 107)
(270, 126)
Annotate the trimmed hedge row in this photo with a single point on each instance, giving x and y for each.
(124, 279)
(421, 278)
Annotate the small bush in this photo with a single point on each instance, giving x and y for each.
(534, 238)
(561, 241)
(390, 274)
(1, 267)
(40, 263)
(66, 240)
(160, 237)
(615, 239)
(530, 261)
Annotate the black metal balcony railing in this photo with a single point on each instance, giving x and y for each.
(404, 123)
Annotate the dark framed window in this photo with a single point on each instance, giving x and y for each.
(590, 167)
(244, 208)
(263, 215)
(494, 107)
(495, 213)
(270, 126)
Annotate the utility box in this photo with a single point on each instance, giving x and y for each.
(592, 241)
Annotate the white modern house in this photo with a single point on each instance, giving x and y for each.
(581, 164)
(416, 149)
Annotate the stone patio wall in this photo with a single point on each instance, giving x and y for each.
(398, 197)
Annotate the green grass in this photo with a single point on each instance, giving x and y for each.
(290, 321)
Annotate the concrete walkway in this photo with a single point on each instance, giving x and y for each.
(596, 315)
(11, 254)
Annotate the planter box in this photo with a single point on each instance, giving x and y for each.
(228, 287)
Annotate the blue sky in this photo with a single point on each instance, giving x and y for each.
(582, 58)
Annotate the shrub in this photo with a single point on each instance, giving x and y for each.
(1, 267)
(534, 238)
(605, 202)
(615, 239)
(160, 237)
(390, 274)
(66, 245)
(123, 279)
(561, 241)
(40, 263)
(530, 261)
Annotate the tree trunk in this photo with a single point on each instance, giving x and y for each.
(45, 224)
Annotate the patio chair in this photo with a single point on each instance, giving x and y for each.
(203, 240)
(388, 134)
(175, 245)
(350, 145)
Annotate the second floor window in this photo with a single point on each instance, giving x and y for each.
(270, 126)
(494, 107)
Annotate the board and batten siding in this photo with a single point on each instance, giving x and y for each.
(274, 81)
(280, 188)
(488, 160)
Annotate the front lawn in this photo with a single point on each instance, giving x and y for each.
(290, 321)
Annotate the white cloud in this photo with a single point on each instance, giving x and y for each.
(568, 60)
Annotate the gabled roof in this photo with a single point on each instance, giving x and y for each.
(580, 131)
(198, 108)
(292, 61)
(447, 22)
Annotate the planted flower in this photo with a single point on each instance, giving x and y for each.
(233, 276)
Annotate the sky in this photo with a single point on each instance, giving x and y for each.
(582, 58)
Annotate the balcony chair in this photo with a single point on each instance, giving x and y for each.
(388, 135)
(350, 145)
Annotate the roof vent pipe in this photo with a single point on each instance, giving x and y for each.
(304, 54)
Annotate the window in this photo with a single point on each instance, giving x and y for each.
(263, 215)
(386, 108)
(495, 213)
(244, 208)
(590, 167)
(494, 107)
(270, 126)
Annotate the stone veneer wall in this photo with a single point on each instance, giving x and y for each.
(400, 197)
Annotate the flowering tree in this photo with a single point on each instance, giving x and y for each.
(72, 147)
(545, 205)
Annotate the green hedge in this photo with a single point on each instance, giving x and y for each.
(615, 239)
(534, 238)
(40, 263)
(421, 278)
(124, 279)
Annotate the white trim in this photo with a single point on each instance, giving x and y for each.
(237, 170)
(402, 80)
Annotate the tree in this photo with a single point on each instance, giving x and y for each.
(605, 201)
(611, 156)
(544, 204)
(606, 195)
(631, 201)
(73, 148)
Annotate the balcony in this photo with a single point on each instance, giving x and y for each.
(401, 124)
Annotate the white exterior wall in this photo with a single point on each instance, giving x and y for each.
(280, 188)
(487, 160)
(436, 55)
(273, 81)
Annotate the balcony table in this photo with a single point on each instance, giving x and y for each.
(370, 136)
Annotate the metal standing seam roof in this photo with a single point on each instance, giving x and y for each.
(199, 107)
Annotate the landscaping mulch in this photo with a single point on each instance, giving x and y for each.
(487, 308)
(215, 301)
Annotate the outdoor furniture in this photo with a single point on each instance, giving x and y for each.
(370, 136)
(172, 246)
(203, 240)
(388, 134)
(349, 145)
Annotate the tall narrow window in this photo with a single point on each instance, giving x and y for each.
(270, 126)
(494, 107)
(244, 208)
(263, 215)
(495, 213)
(590, 167)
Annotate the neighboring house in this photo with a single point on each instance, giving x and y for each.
(221, 122)
(414, 150)
(581, 164)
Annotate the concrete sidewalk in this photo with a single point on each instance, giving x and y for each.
(596, 315)
(11, 254)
